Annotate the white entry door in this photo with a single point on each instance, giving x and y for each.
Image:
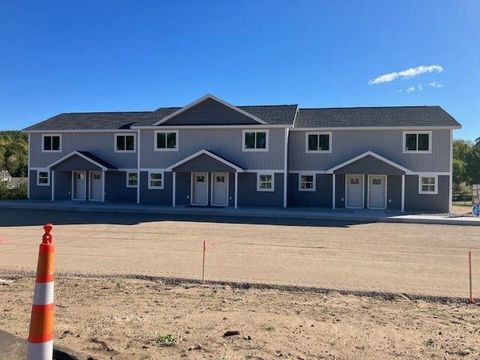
(354, 192)
(79, 185)
(220, 189)
(200, 188)
(96, 186)
(377, 194)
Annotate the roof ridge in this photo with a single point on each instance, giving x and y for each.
(106, 112)
(369, 107)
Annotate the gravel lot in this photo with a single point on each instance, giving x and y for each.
(401, 258)
(129, 319)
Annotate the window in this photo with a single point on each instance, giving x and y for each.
(52, 143)
(306, 182)
(417, 142)
(124, 143)
(255, 140)
(155, 180)
(166, 140)
(43, 178)
(132, 179)
(265, 182)
(318, 142)
(427, 184)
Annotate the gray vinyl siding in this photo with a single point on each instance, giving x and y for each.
(75, 163)
(203, 163)
(226, 143)
(39, 192)
(249, 196)
(321, 197)
(346, 144)
(100, 144)
(211, 112)
(394, 192)
(63, 185)
(156, 196)
(427, 202)
(116, 187)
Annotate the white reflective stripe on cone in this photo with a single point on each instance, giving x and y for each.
(40, 351)
(43, 294)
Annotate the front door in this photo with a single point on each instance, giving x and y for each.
(96, 186)
(220, 189)
(79, 191)
(377, 191)
(200, 188)
(354, 192)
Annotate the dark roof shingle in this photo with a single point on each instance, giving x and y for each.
(391, 116)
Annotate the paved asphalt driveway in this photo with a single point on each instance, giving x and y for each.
(419, 259)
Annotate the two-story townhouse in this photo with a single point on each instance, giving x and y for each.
(211, 153)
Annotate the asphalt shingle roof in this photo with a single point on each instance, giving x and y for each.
(401, 116)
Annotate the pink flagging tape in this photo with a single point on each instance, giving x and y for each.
(3, 241)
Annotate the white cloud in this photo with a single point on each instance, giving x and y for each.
(436, 84)
(406, 74)
(412, 89)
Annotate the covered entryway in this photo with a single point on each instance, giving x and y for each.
(219, 189)
(354, 192)
(96, 185)
(369, 181)
(210, 180)
(79, 176)
(199, 188)
(377, 192)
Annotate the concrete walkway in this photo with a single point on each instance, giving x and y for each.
(277, 213)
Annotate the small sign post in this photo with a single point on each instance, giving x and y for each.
(203, 261)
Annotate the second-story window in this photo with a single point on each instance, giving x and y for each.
(318, 142)
(124, 143)
(417, 142)
(52, 143)
(255, 140)
(166, 140)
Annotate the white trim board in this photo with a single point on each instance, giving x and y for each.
(202, 99)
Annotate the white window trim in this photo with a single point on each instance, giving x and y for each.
(273, 181)
(424, 175)
(329, 133)
(124, 135)
(51, 151)
(300, 181)
(404, 143)
(38, 177)
(166, 132)
(151, 187)
(256, 131)
(138, 179)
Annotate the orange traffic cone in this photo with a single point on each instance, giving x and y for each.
(40, 337)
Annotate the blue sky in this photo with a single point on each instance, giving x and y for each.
(68, 56)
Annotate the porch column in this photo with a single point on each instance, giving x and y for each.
(53, 185)
(236, 189)
(333, 191)
(103, 185)
(402, 207)
(174, 181)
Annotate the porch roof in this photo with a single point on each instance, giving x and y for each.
(81, 160)
(369, 163)
(204, 160)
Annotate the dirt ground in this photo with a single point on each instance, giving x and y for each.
(125, 319)
(401, 258)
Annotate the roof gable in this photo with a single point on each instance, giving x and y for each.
(86, 159)
(369, 162)
(210, 110)
(196, 161)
